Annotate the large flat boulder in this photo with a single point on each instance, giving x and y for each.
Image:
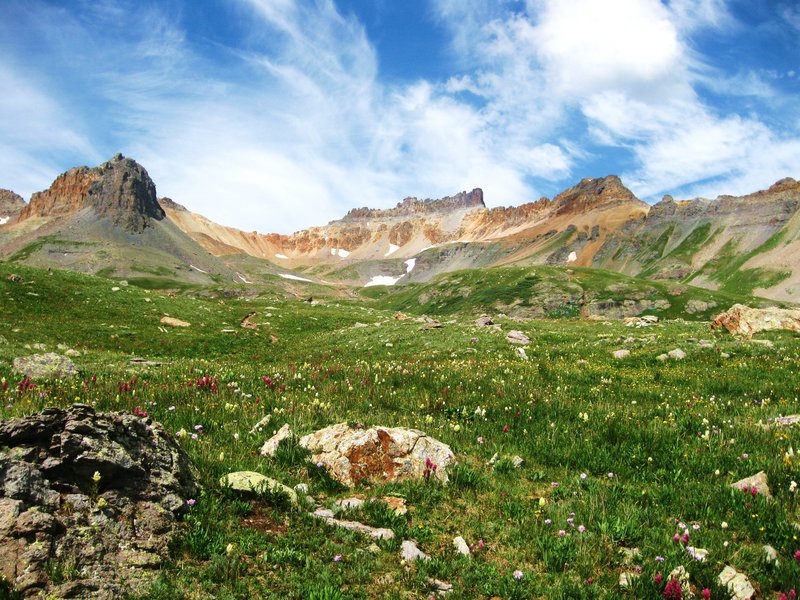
(353, 455)
(743, 320)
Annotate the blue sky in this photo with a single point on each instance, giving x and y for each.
(274, 115)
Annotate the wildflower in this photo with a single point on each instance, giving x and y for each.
(685, 538)
(518, 575)
(706, 593)
(583, 476)
(792, 487)
(676, 537)
(139, 412)
(611, 476)
(673, 589)
(191, 502)
(561, 533)
(505, 428)
(660, 558)
(724, 525)
(581, 528)
(481, 440)
(554, 484)
(229, 548)
(696, 526)
(797, 556)
(101, 503)
(548, 521)
(171, 408)
(658, 578)
(181, 433)
(337, 558)
(481, 544)
(198, 427)
(96, 477)
(236, 436)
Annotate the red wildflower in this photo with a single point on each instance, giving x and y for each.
(672, 591)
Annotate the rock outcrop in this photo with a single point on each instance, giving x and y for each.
(120, 190)
(10, 206)
(743, 320)
(96, 495)
(353, 455)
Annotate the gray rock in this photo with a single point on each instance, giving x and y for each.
(461, 546)
(770, 555)
(677, 354)
(410, 553)
(45, 366)
(517, 337)
(737, 583)
(99, 492)
(373, 532)
(484, 321)
(621, 353)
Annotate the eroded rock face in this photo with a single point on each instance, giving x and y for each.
(354, 455)
(96, 495)
(119, 189)
(743, 320)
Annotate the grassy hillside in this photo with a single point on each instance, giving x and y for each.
(618, 454)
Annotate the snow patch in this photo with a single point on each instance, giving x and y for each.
(333, 251)
(198, 269)
(281, 256)
(572, 257)
(295, 277)
(343, 253)
(4, 220)
(383, 280)
(388, 279)
(392, 249)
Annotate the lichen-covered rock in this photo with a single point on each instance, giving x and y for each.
(270, 447)
(45, 366)
(353, 455)
(98, 494)
(743, 320)
(757, 483)
(517, 337)
(256, 483)
(737, 583)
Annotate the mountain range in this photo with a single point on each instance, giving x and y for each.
(108, 220)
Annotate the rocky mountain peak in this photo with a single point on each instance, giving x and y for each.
(590, 193)
(119, 189)
(787, 184)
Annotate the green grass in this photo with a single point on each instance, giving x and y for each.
(674, 434)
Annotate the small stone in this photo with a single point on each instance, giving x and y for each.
(270, 447)
(263, 422)
(461, 546)
(699, 554)
(396, 504)
(770, 555)
(441, 588)
(410, 553)
(373, 548)
(373, 532)
(172, 322)
(350, 503)
(521, 353)
(662, 357)
(621, 353)
(626, 578)
(759, 481)
(630, 555)
(517, 337)
(301, 488)
(677, 354)
(737, 583)
(484, 321)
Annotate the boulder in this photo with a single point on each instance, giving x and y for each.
(45, 366)
(484, 321)
(743, 320)
(517, 337)
(98, 492)
(621, 353)
(460, 544)
(378, 454)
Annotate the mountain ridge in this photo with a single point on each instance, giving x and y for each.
(730, 241)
